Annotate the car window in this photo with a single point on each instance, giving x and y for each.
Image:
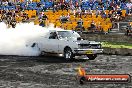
(68, 34)
(53, 35)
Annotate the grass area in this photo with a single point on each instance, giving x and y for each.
(116, 45)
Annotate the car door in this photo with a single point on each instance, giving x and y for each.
(53, 42)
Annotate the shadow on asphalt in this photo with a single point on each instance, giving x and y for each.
(42, 59)
(55, 59)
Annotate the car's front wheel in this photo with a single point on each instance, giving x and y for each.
(68, 54)
(92, 56)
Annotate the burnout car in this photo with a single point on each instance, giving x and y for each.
(68, 43)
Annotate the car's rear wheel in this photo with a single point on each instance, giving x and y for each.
(92, 56)
(68, 54)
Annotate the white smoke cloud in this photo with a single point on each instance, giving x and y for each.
(13, 41)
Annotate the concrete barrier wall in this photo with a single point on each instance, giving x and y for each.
(108, 37)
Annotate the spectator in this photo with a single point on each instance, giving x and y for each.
(55, 8)
(97, 12)
(78, 12)
(63, 18)
(42, 23)
(103, 15)
(40, 15)
(129, 7)
(93, 27)
(44, 17)
(13, 23)
(38, 4)
(5, 3)
(62, 6)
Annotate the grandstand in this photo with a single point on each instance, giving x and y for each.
(79, 15)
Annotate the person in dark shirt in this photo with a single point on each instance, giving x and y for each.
(13, 23)
(53, 35)
(42, 23)
(93, 27)
(44, 17)
(9, 3)
(38, 4)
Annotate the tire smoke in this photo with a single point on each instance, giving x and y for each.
(15, 41)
